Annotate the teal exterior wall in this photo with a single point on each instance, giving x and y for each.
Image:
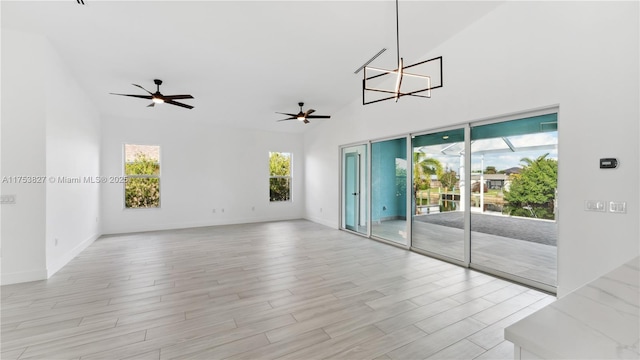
(388, 190)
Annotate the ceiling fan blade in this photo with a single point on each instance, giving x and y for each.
(319, 117)
(293, 116)
(306, 121)
(142, 88)
(309, 112)
(176, 97)
(151, 105)
(148, 97)
(178, 104)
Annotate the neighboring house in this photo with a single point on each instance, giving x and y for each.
(491, 181)
(512, 170)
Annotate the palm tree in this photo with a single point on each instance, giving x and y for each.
(423, 168)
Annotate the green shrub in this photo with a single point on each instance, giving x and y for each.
(142, 189)
(280, 176)
(533, 191)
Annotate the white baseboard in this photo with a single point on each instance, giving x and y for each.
(23, 276)
(184, 225)
(59, 263)
(331, 224)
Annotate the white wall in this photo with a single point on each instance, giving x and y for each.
(525, 55)
(49, 129)
(73, 151)
(23, 154)
(203, 167)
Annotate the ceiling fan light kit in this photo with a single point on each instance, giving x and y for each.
(303, 116)
(421, 84)
(158, 98)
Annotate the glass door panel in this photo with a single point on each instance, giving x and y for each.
(354, 196)
(514, 170)
(389, 190)
(438, 193)
(352, 176)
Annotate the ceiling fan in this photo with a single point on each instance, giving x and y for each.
(303, 116)
(158, 98)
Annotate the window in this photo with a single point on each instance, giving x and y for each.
(142, 171)
(279, 176)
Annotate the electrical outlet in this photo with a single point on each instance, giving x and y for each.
(214, 211)
(222, 210)
(55, 241)
(595, 205)
(253, 208)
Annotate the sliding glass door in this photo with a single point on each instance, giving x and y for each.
(481, 195)
(438, 193)
(514, 172)
(389, 190)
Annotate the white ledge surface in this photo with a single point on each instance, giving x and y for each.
(598, 321)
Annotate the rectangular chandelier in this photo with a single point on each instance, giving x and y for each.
(406, 83)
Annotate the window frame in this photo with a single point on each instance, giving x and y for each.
(288, 177)
(126, 177)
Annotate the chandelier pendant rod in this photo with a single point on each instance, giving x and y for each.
(397, 34)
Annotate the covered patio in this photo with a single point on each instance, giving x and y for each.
(524, 247)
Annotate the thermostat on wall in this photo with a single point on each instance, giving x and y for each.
(608, 163)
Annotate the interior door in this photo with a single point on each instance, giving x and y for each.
(352, 190)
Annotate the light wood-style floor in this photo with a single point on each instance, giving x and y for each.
(279, 290)
(522, 258)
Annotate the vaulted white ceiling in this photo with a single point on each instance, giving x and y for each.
(241, 60)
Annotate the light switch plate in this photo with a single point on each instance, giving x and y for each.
(618, 207)
(595, 205)
(7, 199)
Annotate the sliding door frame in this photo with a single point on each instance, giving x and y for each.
(341, 198)
(467, 126)
(552, 109)
(407, 244)
(467, 194)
